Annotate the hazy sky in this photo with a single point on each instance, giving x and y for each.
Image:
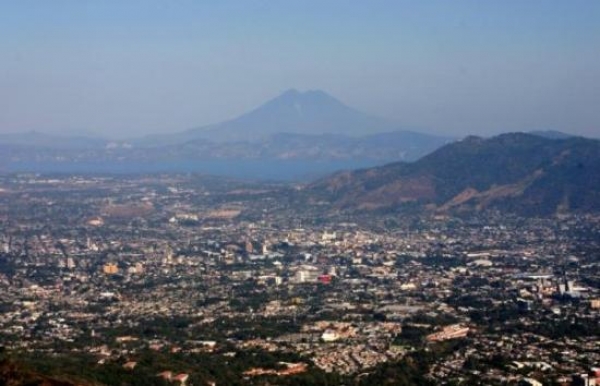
(126, 67)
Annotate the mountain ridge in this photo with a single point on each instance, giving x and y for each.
(517, 172)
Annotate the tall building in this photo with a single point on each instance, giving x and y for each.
(249, 247)
(168, 258)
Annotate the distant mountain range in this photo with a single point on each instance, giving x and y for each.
(297, 135)
(312, 129)
(308, 113)
(37, 140)
(520, 173)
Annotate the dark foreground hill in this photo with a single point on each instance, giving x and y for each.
(520, 173)
(13, 374)
(75, 369)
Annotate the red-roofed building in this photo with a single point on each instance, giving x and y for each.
(181, 378)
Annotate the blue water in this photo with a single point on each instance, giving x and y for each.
(281, 170)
